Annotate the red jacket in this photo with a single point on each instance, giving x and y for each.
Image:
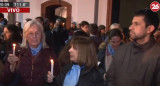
(31, 70)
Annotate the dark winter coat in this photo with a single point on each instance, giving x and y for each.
(88, 77)
(31, 70)
(135, 65)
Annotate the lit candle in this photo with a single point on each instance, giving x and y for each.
(52, 66)
(14, 48)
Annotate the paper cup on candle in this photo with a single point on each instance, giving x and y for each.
(52, 66)
(14, 48)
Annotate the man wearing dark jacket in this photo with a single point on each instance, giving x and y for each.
(137, 63)
(60, 34)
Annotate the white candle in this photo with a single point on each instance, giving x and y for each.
(52, 66)
(14, 48)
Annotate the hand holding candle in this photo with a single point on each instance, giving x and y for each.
(52, 66)
(14, 48)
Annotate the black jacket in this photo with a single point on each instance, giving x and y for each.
(88, 77)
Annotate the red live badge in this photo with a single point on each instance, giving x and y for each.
(155, 6)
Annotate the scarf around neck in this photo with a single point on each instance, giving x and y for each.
(72, 77)
(110, 49)
(35, 51)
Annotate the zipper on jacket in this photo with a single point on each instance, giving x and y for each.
(32, 68)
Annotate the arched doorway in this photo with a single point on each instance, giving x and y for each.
(48, 10)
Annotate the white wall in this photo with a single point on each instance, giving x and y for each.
(35, 10)
(74, 4)
(102, 12)
(85, 10)
(81, 10)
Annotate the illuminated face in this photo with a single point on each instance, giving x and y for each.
(138, 28)
(115, 42)
(73, 54)
(34, 36)
(7, 34)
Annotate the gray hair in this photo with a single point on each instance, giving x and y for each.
(115, 26)
(25, 30)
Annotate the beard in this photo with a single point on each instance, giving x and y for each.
(136, 37)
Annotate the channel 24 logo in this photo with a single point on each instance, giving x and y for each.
(155, 6)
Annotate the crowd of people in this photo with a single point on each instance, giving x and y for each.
(84, 54)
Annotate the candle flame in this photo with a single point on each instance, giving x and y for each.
(14, 45)
(52, 61)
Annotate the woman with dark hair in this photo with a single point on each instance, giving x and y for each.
(107, 49)
(11, 35)
(64, 56)
(83, 70)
